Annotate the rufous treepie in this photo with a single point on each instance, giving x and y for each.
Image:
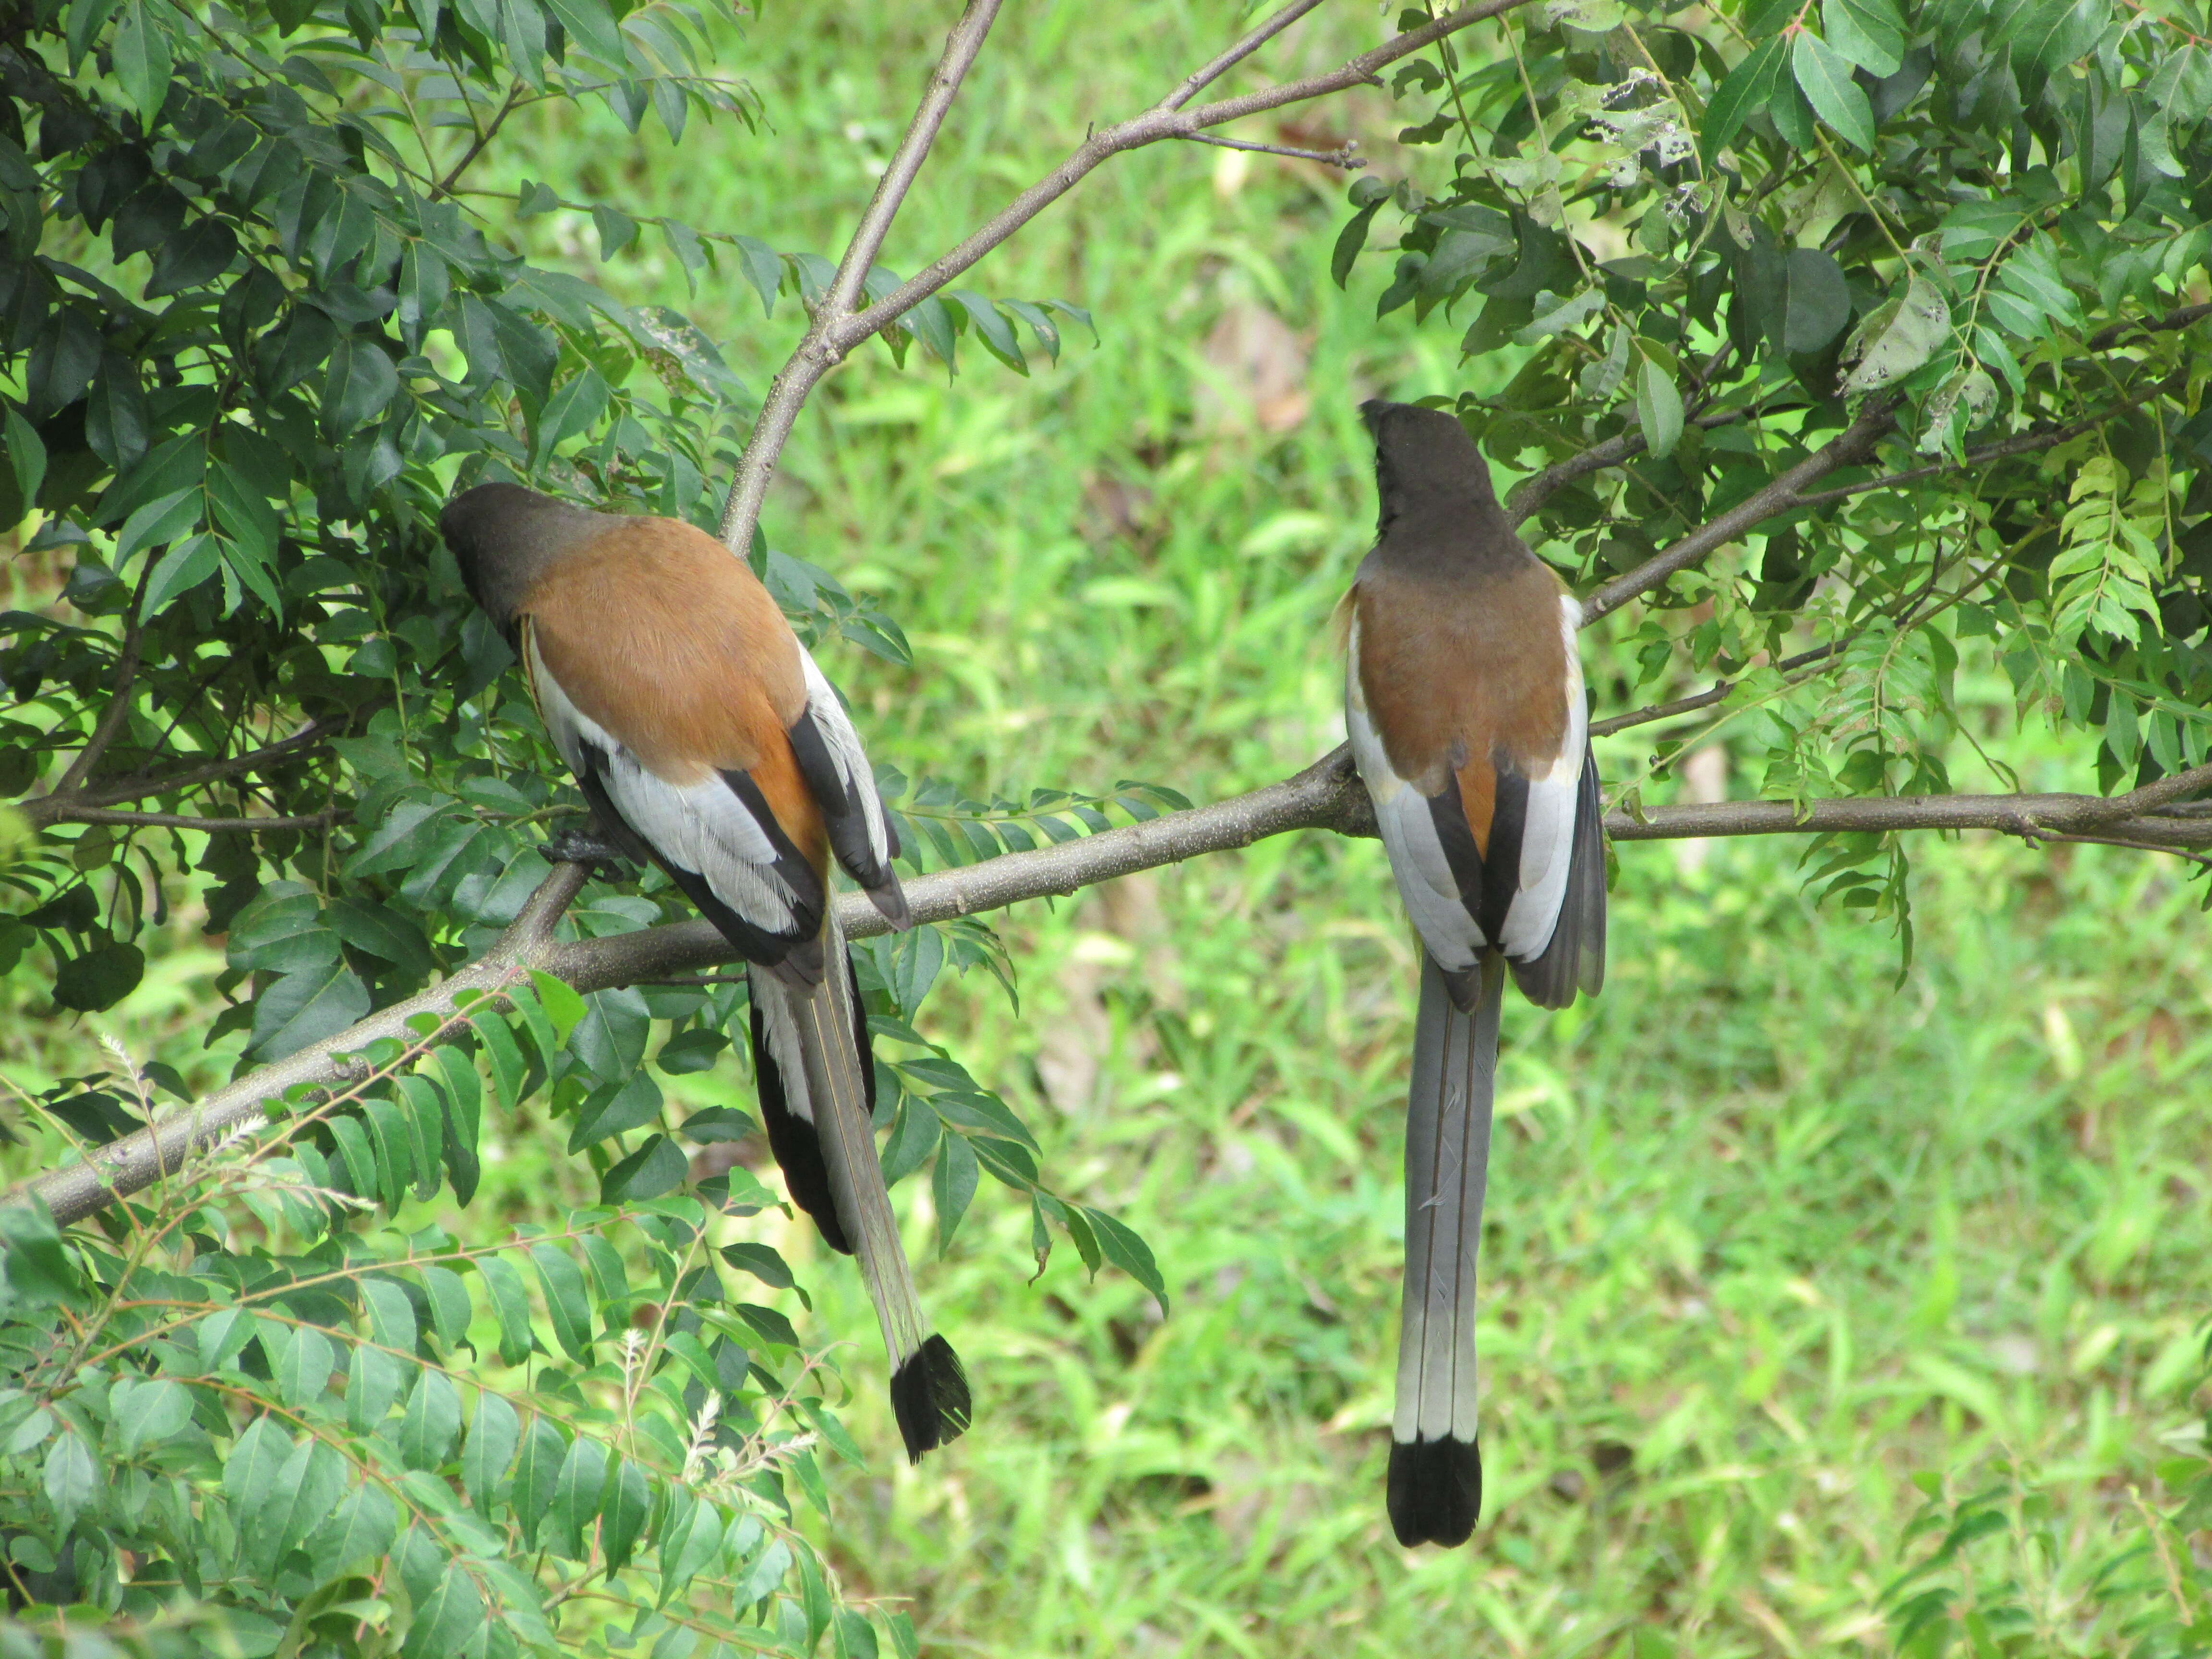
(1463, 700)
(706, 739)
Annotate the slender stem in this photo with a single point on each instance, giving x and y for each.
(828, 343)
(118, 703)
(816, 353)
(189, 821)
(1345, 155)
(484, 135)
(1198, 80)
(1854, 444)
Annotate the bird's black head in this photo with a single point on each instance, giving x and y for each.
(504, 536)
(1424, 462)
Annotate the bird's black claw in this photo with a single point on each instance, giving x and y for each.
(582, 847)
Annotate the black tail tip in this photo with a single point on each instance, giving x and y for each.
(929, 1396)
(1436, 1491)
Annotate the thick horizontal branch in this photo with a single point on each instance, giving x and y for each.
(1327, 795)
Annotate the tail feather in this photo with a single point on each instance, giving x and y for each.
(814, 1037)
(1435, 1463)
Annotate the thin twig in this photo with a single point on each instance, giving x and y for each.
(54, 806)
(819, 351)
(484, 135)
(118, 703)
(1198, 80)
(1345, 155)
(1850, 447)
(1714, 693)
(833, 337)
(190, 821)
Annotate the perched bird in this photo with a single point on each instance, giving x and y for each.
(707, 740)
(1463, 700)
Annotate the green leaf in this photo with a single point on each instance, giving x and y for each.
(566, 1300)
(432, 1421)
(629, 1501)
(993, 330)
(373, 1388)
(307, 1007)
(1128, 1251)
(26, 454)
(304, 1370)
(308, 1487)
(576, 1491)
(656, 1167)
(763, 268)
(143, 61)
(562, 1006)
(449, 1306)
(361, 1529)
(494, 1436)
(542, 1456)
(1659, 409)
(1818, 302)
(71, 1478)
(1899, 337)
(155, 523)
(953, 1184)
(761, 1261)
(360, 382)
(1867, 32)
(1743, 92)
(249, 1474)
(690, 1051)
(504, 1056)
(510, 1304)
(158, 1410)
(592, 26)
(379, 930)
(613, 1108)
(445, 1618)
(1826, 80)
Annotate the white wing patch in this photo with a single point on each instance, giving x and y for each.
(846, 753)
(699, 826)
(1424, 878)
(1548, 832)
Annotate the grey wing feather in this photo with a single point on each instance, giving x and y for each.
(1575, 958)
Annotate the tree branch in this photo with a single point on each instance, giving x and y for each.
(57, 807)
(1327, 795)
(834, 335)
(818, 353)
(190, 821)
(1847, 448)
(1345, 155)
(118, 703)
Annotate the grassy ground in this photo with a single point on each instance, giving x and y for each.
(1768, 1231)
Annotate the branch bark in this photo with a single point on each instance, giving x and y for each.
(1327, 795)
(1847, 448)
(59, 805)
(837, 331)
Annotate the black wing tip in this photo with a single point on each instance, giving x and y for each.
(890, 901)
(929, 1396)
(1436, 1491)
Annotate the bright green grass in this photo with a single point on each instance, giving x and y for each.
(1784, 1230)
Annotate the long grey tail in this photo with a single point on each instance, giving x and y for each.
(1436, 1466)
(810, 1051)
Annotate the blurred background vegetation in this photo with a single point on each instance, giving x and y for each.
(1779, 1243)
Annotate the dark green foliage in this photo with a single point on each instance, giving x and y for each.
(1956, 210)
